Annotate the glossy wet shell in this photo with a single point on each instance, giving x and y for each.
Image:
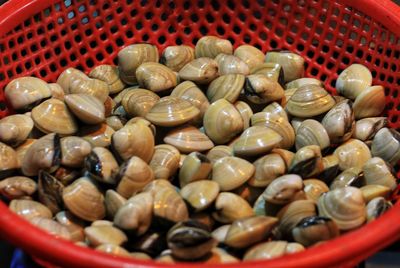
(195, 166)
(292, 64)
(101, 165)
(155, 77)
(230, 207)
(175, 57)
(98, 235)
(353, 80)
(87, 108)
(188, 139)
(68, 76)
(93, 87)
(73, 224)
(50, 192)
(311, 132)
(113, 201)
(377, 172)
(110, 75)
(231, 172)
(8, 160)
(165, 161)
(259, 89)
(303, 81)
(252, 56)
(229, 64)
(97, 136)
(15, 129)
(370, 102)
(211, 46)
(219, 152)
(200, 70)
(29, 209)
(283, 189)
(74, 150)
(353, 153)
(226, 87)
(17, 187)
(366, 128)
(271, 70)
(169, 205)
(200, 194)
(267, 168)
(271, 250)
(52, 227)
(314, 188)
(386, 144)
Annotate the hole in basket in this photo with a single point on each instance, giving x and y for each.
(129, 34)
(203, 30)
(272, 43)
(220, 30)
(146, 37)
(179, 41)
(382, 77)
(67, 45)
(226, 18)
(231, 5)
(314, 71)
(57, 50)
(43, 73)
(200, 4)
(194, 17)
(346, 60)
(320, 60)
(134, 12)
(390, 79)
(209, 18)
(53, 67)
(394, 67)
(83, 51)
(103, 36)
(162, 39)
(109, 49)
(120, 42)
(88, 32)
(242, 17)
(186, 5)
(215, 5)
(99, 57)
(3, 106)
(93, 44)
(394, 118)
(89, 63)
(300, 47)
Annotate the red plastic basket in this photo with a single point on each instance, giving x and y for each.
(43, 37)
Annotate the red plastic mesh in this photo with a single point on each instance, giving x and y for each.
(83, 34)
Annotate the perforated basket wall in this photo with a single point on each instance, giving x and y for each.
(83, 34)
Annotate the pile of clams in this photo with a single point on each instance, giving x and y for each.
(208, 154)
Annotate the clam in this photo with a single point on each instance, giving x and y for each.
(115, 122)
(267, 169)
(172, 111)
(229, 64)
(22, 148)
(74, 225)
(366, 128)
(113, 250)
(245, 111)
(376, 207)
(17, 187)
(8, 160)
(53, 116)
(169, 206)
(339, 122)
(23, 93)
(248, 231)
(314, 229)
(188, 139)
(372, 191)
(73, 151)
(133, 175)
(219, 152)
(260, 89)
(102, 223)
(219, 233)
(151, 243)
(190, 240)
(377, 172)
(386, 144)
(134, 140)
(271, 250)
(350, 177)
(286, 155)
(353, 80)
(86, 107)
(303, 81)
(68, 76)
(57, 92)
(118, 98)
(256, 140)
(196, 166)
(101, 165)
(353, 153)
(200, 194)
(97, 136)
(276, 109)
(201, 70)
(15, 129)
(311, 132)
(203, 217)
(271, 70)
(66, 175)
(330, 168)
(175, 57)
(113, 201)
(290, 215)
(155, 77)
(130, 57)
(230, 207)
(84, 200)
(29, 209)
(248, 192)
(309, 100)
(370, 102)
(277, 123)
(252, 56)
(227, 87)
(110, 75)
(314, 188)
(93, 87)
(222, 121)
(165, 161)
(292, 64)
(109, 106)
(136, 214)
(43, 154)
(189, 91)
(345, 206)
(283, 189)
(288, 94)
(156, 185)
(211, 46)
(307, 162)
(99, 235)
(145, 122)
(50, 192)
(230, 172)
(52, 227)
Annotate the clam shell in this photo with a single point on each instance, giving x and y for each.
(165, 161)
(311, 132)
(175, 57)
(271, 70)
(330, 168)
(17, 187)
(314, 188)
(376, 207)
(303, 81)
(93, 87)
(138, 102)
(211, 46)
(15, 129)
(155, 77)
(353, 153)
(74, 225)
(113, 250)
(376, 171)
(219, 233)
(288, 94)
(110, 75)
(307, 162)
(200, 194)
(259, 89)
(353, 80)
(369, 103)
(219, 152)
(372, 190)
(222, 121)
(84, 200)
(230, 172)
(346, 206)
(292, 64)
(53, 116)
(52, 227)
(22, 148)
(188, 139)
(130, 57)
(25, 92)
(8, 160)
(283, 189)
(68, 76)
(115, 122)
(256, 140)
(267, 168)
(74, 150)
(86, 107)
(271, 250)
(276, 109)
(386, 144)
(229, 64)
(350, 177)
(97, 136)
(169, 206)
(195, 166)
(29, 209)
(230, 207)
(366, 128)
(227, 87)
(101, 165)
(201, 70)
(245, 111)
(99, 235)
(172, 111)
(252, 56)
(309, 100)
(113, 201)
(50, 192)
